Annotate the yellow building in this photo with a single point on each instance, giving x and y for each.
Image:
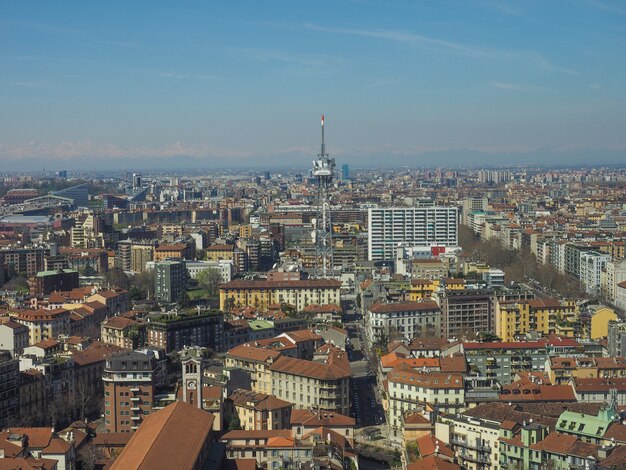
(546, 316)
(600, 322)
(422, 289)
(218, 252)
(261, 293)
(259, 411)
(256, 361)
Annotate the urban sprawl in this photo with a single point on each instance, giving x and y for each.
(337, 318)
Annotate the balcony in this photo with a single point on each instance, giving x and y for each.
(135, 398)
(135, 418)
(134, 389)
(134, 408)
(475, 458)
(469, 445)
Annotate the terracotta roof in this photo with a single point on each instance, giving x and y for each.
(454, 363)
(599, 384)
(556, 443)
(434, 380)
(415, 417)
(28, 463)
(427, 344)
(616, 431)
(432, 462)
(57, 446)
(159, 442)
(114, 439)
(260, 401)
(314, 418)
(303, 368)
(38, 438)
(252, 353)
(119, 322)
(429, 444)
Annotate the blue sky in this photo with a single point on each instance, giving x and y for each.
(238, 83)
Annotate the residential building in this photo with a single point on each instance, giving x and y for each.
(45, 282)
(123, 332)
(258, 411)
(502, 360)
(9, 390)
(322, 383)
(408, 319)
(14, 337)
(410, 226)
(256, 362)
(170, 281)
(466, 312)
(172, 332)
(43, 324)
(261, 294)
(128, 390)
(411, 390)
(547, 316)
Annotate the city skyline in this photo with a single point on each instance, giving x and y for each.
(208, 86)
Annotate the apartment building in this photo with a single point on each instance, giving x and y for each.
(321, 383)
(502, 360)
(547, 316)
(43, 324)
(14, 337)
(128, 390)
(260, 293)
(256, 362)
(170, 281)
(122, 332)
(173, 332)
(258, 411)
(411, 390)
(466, 311)
(410, 226)
(408, 319)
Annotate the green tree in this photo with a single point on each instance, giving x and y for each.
(142, 285)
(233, 423)
(209, 279)
(116, 277)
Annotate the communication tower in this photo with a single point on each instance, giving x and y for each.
(323, 171)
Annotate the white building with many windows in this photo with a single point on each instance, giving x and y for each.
(410, 319)
(390, 227)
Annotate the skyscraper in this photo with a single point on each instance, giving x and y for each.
(345, 171)
(170, 280)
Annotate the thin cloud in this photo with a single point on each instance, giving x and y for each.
(515, 86)
(427, 42)
(41, 27)
(27, 84)
(87, 149)
(608, 7)
(380, 83)
(407, 38)
(303, 64)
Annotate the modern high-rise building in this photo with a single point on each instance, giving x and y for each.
(390, 227)
(170, 280)
(128, 390)
(345, 171)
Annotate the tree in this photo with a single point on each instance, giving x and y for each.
(233, 423)
(116, 277)
(142, 285)
(87, 457)
(183, 300)
(229, 304)
(210, 280)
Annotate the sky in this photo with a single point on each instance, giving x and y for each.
(155, 84)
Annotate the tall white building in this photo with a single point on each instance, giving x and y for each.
(410, 226)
